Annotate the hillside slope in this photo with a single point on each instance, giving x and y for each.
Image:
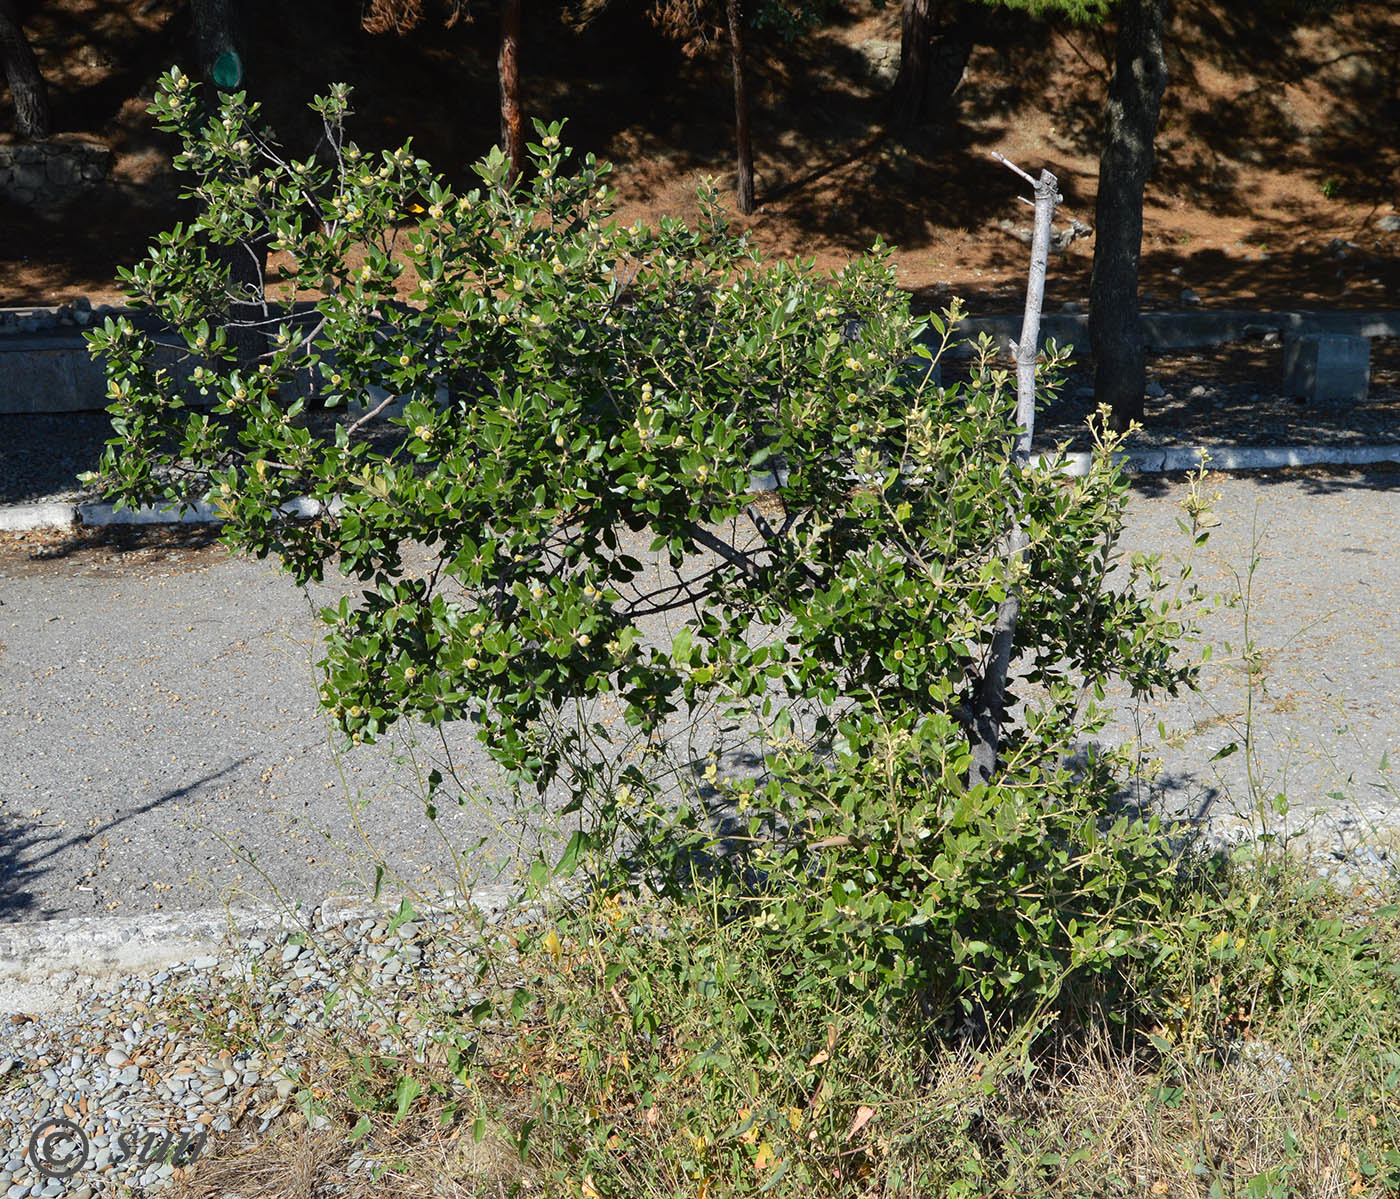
(1278, 163)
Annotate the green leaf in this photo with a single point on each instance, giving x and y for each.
(404, 914)
(568, 860)
(405, 1092)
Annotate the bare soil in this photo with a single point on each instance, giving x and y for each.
(1276, 156)
(115, 551)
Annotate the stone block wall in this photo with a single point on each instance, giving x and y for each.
(48, 174)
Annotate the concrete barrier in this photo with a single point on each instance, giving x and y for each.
(1327, 366)
(49, 372)
(45, 365)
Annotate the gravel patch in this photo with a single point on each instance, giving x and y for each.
(168, 1062)
(142, 1074)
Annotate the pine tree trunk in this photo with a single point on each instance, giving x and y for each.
(1130, 127)
(743, 142)
(33, 119)
(217, 32)
(930, 71)
(508, 72)
(907, 102)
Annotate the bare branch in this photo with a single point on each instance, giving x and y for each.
(1006, 162)
(990, 696)
(724, 550)
(371, 414)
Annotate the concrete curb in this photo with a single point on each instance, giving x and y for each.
(48, 965)
(22, 518)
(46, 367)
(1229, 458)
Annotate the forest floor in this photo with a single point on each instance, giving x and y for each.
(1277, 161)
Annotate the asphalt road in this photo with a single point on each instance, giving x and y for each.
(159, 727)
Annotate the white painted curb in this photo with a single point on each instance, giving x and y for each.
(101, 515)
(1227, 458)
(17, 518)
(20, 518)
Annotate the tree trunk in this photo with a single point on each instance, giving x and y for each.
(907, 102)
(508, 72)
(1130, 126)
(216, 33)
(743, 143)
(33, 120)
(930, 71)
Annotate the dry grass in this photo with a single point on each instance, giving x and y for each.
(413, 1159)
(1259, 1111)
(1243, 1090)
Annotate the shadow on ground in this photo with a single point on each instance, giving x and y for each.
(27, 852)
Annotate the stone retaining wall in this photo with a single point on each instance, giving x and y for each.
(48, 174)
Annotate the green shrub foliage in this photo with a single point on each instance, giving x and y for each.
(576, 401)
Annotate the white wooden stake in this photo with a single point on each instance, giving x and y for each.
(991, 694)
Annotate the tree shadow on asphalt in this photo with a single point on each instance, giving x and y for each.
(1320, 479)
(25, 850)
(18, 875)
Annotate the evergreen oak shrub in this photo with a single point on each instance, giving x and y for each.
(574, 398)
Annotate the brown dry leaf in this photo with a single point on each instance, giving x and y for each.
(864, 1115)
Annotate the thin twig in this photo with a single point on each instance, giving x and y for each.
(1006, 162)
(371, 414)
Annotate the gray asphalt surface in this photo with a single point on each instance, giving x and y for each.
(1322, 613)
(158, 717)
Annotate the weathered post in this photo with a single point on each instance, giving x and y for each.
(991, 694)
